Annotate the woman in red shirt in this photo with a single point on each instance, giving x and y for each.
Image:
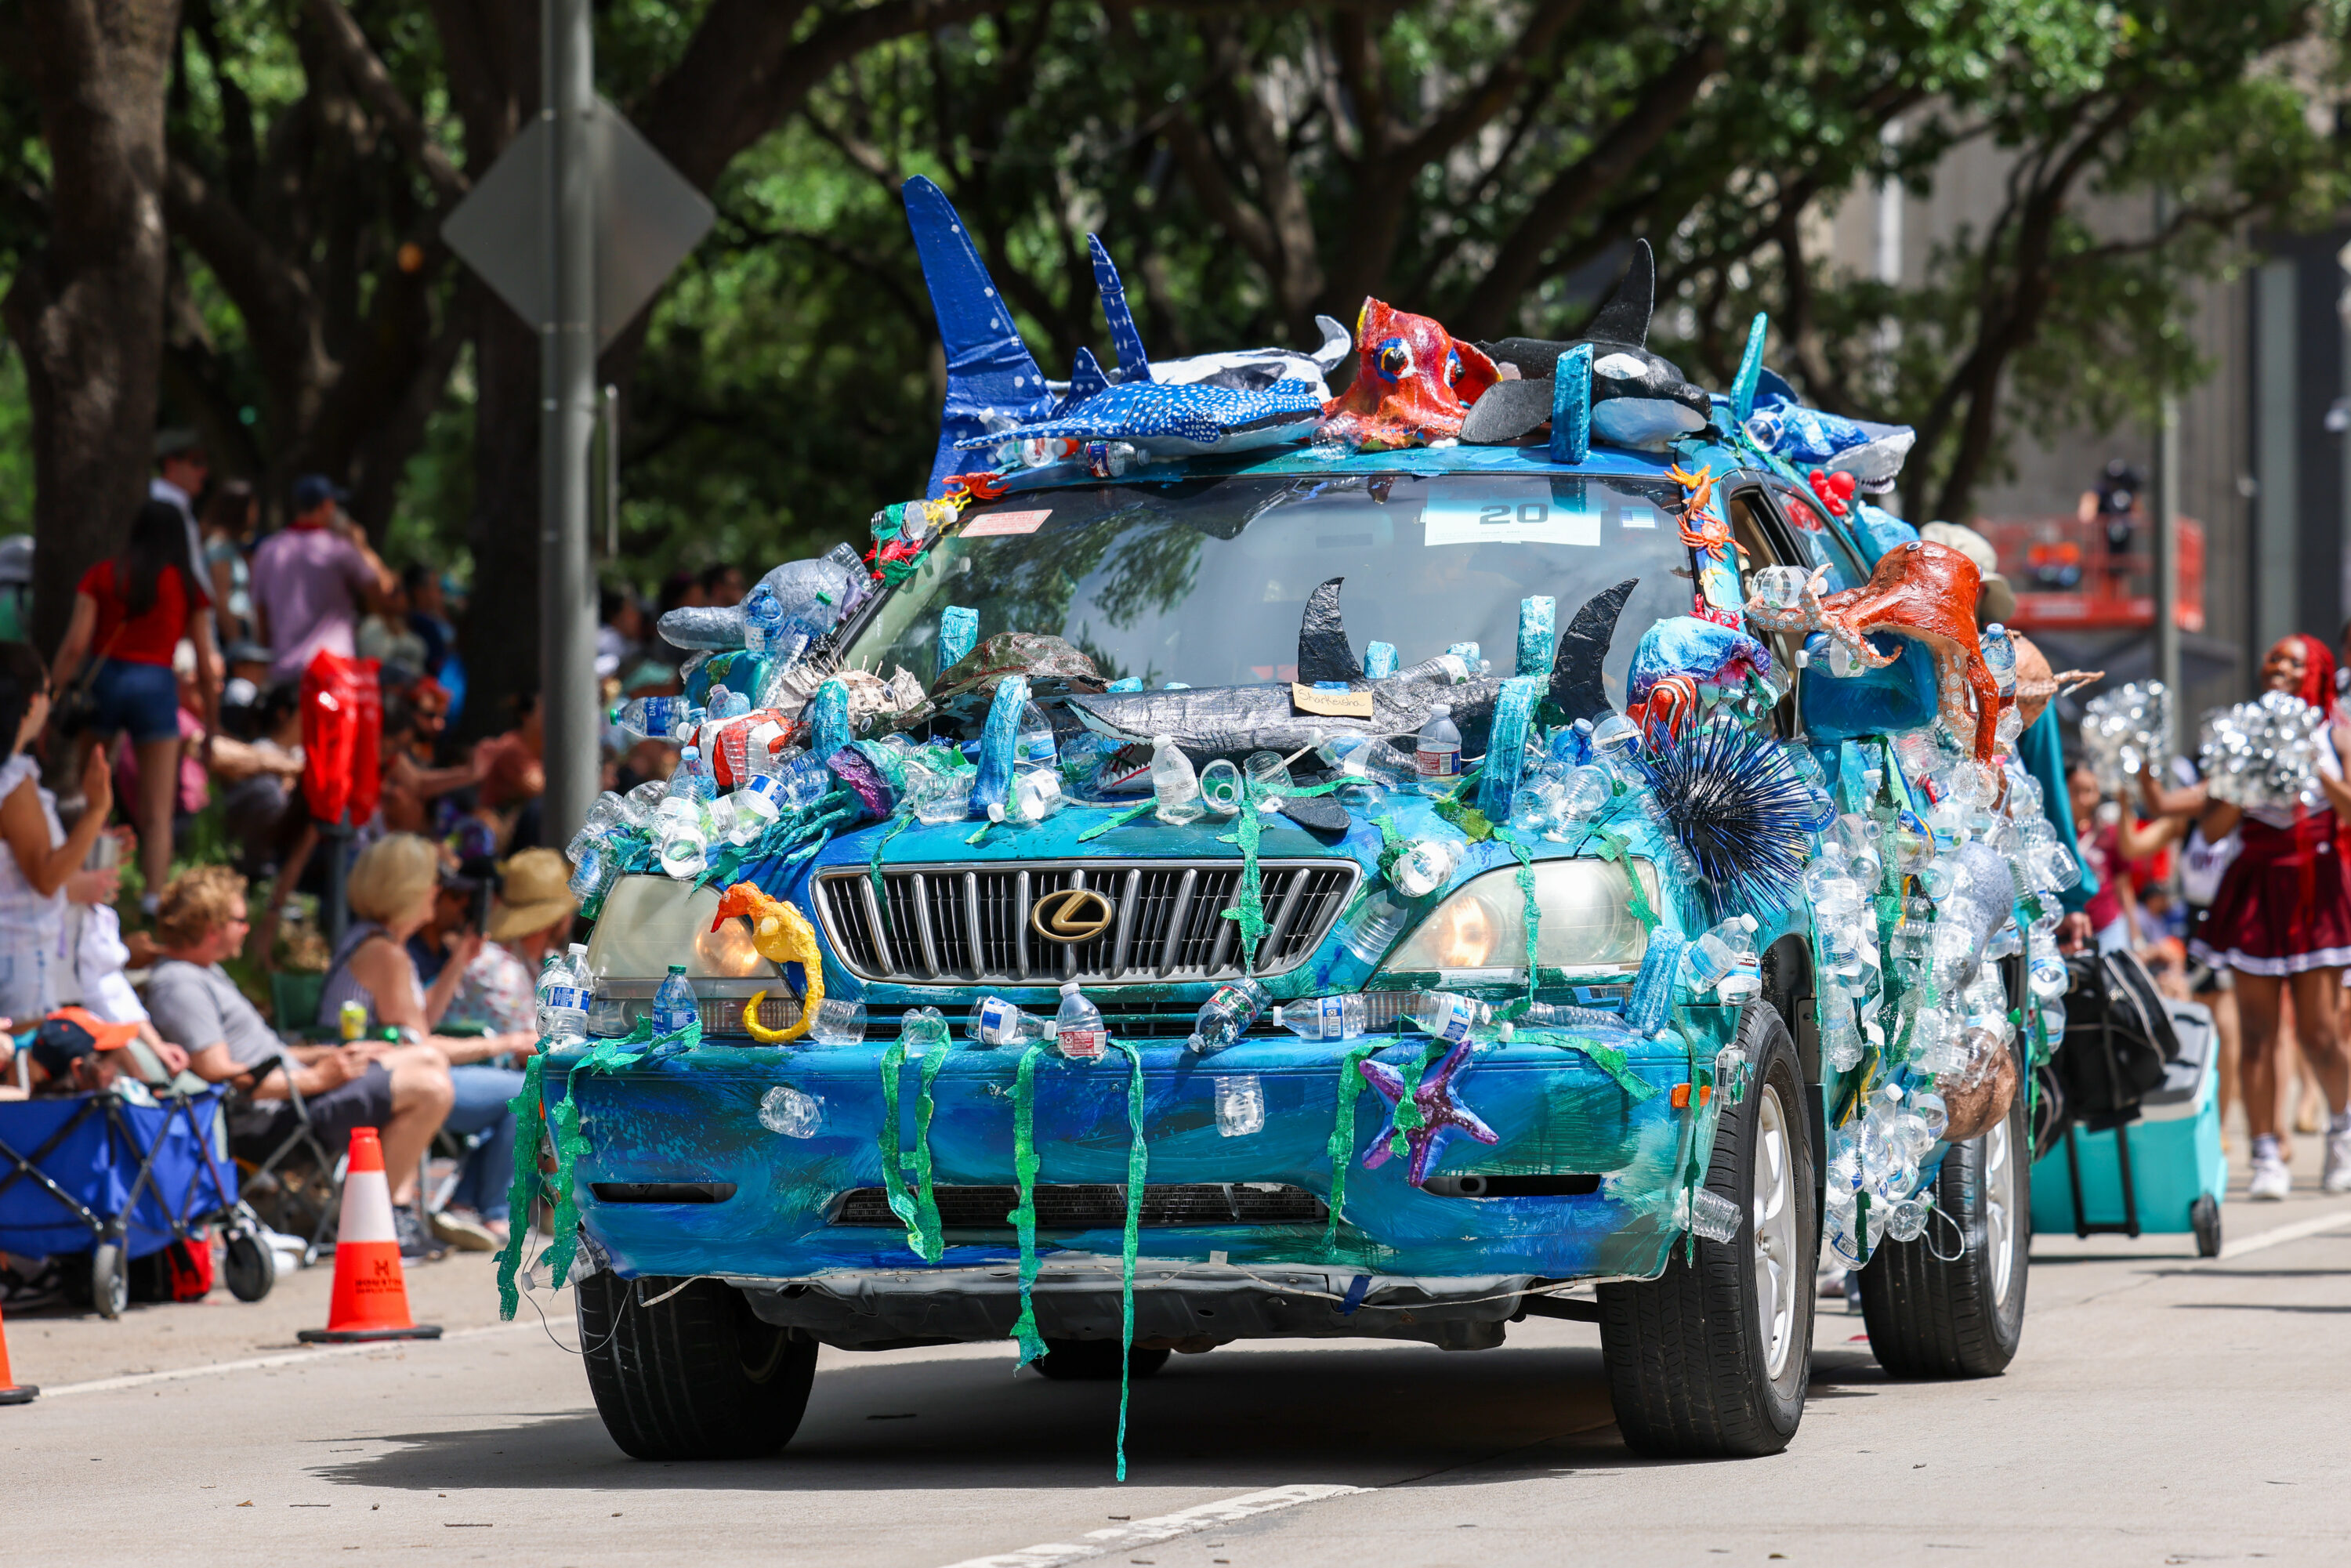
(132, 610)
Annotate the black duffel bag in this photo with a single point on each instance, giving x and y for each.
(2118, 1038)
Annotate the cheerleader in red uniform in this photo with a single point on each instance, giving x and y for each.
(2283, 918)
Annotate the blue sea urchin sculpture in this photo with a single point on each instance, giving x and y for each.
(1736, 802)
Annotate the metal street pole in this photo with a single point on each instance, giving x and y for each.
(567, 409)
(2167, 525)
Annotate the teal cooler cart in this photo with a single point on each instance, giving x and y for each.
(2164, 1173)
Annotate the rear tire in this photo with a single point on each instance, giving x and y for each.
(1710, 1360)
(1094, 1361)
(1949, 1316)
(696, 1377)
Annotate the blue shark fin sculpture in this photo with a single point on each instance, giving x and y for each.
(1750, 368)
(1134, 363)
(989, 368)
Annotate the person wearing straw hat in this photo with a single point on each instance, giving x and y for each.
(530, 919)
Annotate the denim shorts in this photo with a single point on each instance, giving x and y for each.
(143, 699)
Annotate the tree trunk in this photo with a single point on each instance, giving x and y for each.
(86, 310)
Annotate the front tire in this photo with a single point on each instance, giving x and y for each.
(1951, 1305)
(109, 1280)
(1710, 1360)
(696, 1377)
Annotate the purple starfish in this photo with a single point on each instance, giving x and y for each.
(1441, 1114)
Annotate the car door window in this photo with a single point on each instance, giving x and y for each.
(1764, 541)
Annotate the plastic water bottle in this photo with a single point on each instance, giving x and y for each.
(564, 996)
(2000, 657)
(1323, 1018)
(1174, 783)
(673, 1004)
(1033, 740)
(763, 619)
(1078, 1031)
(651, 718)
(1226, 1016)
(1447, 1017)
(1561, 1015)
(1436, 752)
(1724, 961)
(692, 780)
(594, 870)
(994, 1021)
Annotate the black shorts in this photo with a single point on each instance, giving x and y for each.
(365, 1102)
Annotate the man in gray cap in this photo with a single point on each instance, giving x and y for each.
(181, 470)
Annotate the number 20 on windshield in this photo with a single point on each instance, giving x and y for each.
(1487, 512)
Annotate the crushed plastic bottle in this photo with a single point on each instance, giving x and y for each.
(838, 1021)
(1033, 740)
(763, 620)
(674, 1005)
(1436, 750)
(1724, 961)
(1078, 1032)
(1240, 1107)
(681, 838)
(594, 870)
(1449, 1017)
(1374, 927)
(1323, 1018)
(1220, 787)
(1226, 1015)
(1426, 865)
(1174, 784)
(789, 1113)
(994, 1021)
(651, 718)
(692, 778)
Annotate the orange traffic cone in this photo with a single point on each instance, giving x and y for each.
(11, 1391)
(371, 1299)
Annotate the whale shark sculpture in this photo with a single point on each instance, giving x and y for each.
(1638, 399)
(991, 376)
(1217, 721)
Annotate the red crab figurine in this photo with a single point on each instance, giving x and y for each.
(1413, 382)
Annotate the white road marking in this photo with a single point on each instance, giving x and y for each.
(1167, 1527)
(261, 1362)
(2282, 1234)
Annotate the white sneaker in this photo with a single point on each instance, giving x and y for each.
(2337, 1176)
(2270, 1180)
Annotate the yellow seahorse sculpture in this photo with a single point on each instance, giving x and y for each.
(782, 933)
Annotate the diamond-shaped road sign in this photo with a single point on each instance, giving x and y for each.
(647, 218)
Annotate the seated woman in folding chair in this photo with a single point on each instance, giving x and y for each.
(401, 1090)
(391, 891)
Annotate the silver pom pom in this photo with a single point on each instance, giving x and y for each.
(2262, 753)
(2124, 731)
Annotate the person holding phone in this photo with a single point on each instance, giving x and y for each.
(42, 868)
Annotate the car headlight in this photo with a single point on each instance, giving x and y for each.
(1586, 922)
(648, 922)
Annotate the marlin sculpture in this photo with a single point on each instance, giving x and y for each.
(1221, 721)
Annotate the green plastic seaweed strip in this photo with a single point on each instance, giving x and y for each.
(1119, 821)
(903, 820)
(1613, 847)
(926, 1201)
(1250, 909)
(1024, 1217)
(563, 1127)
(904, 1201)
(522, 1192)
(1607, 1058)
(1138, 1166)
(1533, 917)
(1342, 1132)
(1408, 1118)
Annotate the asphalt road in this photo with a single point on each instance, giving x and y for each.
(2164, 1410)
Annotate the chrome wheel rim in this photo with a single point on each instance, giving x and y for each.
(1999, 1209)
(1776, 1274)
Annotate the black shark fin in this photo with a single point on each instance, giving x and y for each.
(1575, 684)
(1506, 410)
(1323, 652)
(1626, 318)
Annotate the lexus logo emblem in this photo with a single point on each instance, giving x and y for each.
(1071, 916)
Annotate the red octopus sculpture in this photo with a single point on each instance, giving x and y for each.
(1414, 383)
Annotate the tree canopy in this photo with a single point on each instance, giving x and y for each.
(1249, 165)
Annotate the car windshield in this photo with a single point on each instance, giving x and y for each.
(1203, 581)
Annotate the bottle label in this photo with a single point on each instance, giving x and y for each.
(996, 1016)
(1437, 764)
(1331, 1014)
(560, 999)
(1083, 1044)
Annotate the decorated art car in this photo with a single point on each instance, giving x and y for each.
(1236, 862)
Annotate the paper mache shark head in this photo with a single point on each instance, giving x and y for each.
(1638, 399)
(1811, 438)
(1414, 383)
